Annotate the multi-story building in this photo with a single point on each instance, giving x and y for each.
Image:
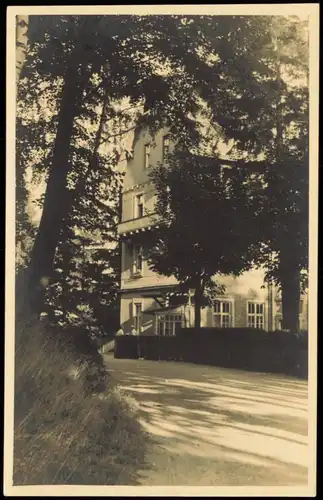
(247, 302)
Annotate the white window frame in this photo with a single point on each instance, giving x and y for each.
(147, 152)
(165, 138)
(166, 318)
(257, 315)
(138, 197)
(231, 314)
(134, 318)
(136, 251)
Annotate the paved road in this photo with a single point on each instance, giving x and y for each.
(218, 427)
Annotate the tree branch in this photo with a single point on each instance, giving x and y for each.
(117, 135)
(81, 185)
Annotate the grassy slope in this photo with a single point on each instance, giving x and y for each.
(71, 425)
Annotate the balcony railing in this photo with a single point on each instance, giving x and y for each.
(137, 225)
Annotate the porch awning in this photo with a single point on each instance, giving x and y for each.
(150, 291)
(161, 309)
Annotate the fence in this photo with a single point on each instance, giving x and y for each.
(238, 348)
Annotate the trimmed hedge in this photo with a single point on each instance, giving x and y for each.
(238, 348)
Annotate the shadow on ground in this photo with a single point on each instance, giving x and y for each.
(217, 427)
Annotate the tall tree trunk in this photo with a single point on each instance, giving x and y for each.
(56, 196)
(198, 295)
(290, 285)
(291, 301)
(64, 298)
(289, 272)
(21, 43)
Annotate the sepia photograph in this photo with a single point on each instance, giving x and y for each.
(161, 250)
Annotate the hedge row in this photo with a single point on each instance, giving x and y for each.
(238, 348)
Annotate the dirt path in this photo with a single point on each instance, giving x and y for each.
(218, 427)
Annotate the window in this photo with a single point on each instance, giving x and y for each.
(137, 316)
(139, 206)
(168, 324)
(165, 149)
(223, 314)
(147, 155)
(256, 315)
(137, 260)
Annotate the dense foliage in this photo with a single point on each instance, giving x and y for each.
(261, 105)
(247, 76)
(207, 223)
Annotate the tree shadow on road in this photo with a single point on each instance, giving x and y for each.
(227, 428)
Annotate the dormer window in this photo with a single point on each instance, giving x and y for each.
(139, 206)
(147, 156)
(165, 149)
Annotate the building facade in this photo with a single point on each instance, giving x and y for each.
(247, 302)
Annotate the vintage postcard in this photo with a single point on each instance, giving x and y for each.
(161, 250)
